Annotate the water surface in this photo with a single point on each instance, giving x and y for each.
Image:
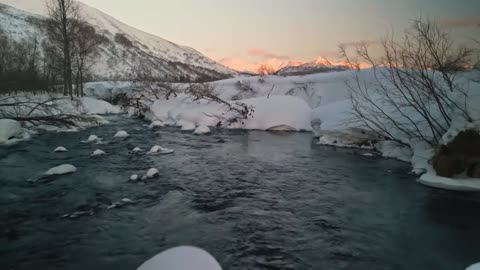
(255, 200)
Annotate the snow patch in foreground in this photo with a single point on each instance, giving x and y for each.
(121, 134)
(432, 180)
(474, 267)
(11, 131)
(182, 258)
(62, 169)
(201, 130)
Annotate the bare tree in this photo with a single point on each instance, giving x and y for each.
(61, 24)
(206, 91)
(415, 90)
(85, 46)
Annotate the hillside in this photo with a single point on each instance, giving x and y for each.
(127, 48)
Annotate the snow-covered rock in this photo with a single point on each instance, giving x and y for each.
(182, 258)
(121, 134)
(134, 177)
(201, 130)
(186, 125)
(93, 138)
(156, 124)
(152, 173)
(467, 184)
(160, 150)
(98, 152)
(62, 169)
(121, 203)
(137, 150)
(60, 149)
(11, 131)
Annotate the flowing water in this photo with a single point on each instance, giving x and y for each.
(254, 200)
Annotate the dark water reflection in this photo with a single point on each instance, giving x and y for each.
(255, 200)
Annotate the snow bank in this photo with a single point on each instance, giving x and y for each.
(202, 130)
(186, 125)
(182, 258)
(62, 169)
(95, 106)
(273, 113)
(432, 180)
(11, 131)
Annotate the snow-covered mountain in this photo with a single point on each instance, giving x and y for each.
(126, 50)
(319, 65)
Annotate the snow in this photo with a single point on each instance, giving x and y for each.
(432, 180)
(137, 150)
(474, 267)
(152, 173)
(156, 124)
(95, 106)
(160, 150)
(186, 125)
(121, 134)
(201, 130)
(93, 138)
(60, 149)
(134, 177)
(390, 149)
(349, 138)
(151, 51)
(98, 152)
(273, 113)
(11, 131)
(182, 258)
(62, 169)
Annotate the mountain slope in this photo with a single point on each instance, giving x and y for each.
(319, 65)
(127, 49)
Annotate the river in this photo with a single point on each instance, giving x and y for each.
(255, 200)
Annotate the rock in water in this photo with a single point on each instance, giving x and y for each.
(137, 149)
(60, 149)
(160, 150)
(121, 134)
(134, 177)
(93, 138)
(201, 130)
(182, 258)
(98, 152)
(62, 169)
(156, 124)
(152, 173)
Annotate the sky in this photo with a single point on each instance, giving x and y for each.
(246, 33)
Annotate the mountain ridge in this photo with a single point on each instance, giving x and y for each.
(117, 61)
